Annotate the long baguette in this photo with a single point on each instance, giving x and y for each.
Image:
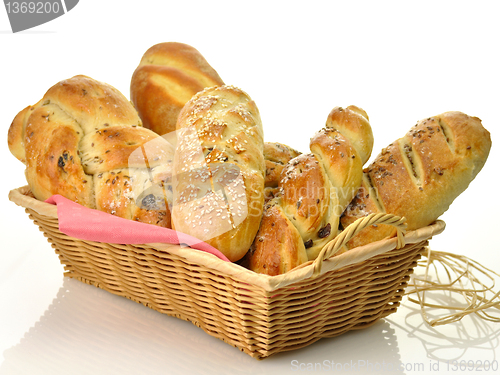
(420, 175)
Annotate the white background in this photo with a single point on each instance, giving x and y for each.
(400, 62)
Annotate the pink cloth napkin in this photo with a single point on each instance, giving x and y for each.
(87, 224)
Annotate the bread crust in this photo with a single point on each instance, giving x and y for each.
(419, 176)
(314, 190)
(168, 75)
(218, 173)
(282, 248)
(85, 141)
(276, 155)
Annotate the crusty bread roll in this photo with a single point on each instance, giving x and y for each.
(278, 246)
(314, 191)
(276, 156)
(168, 75)
(84, 140)
(418, 176)
(218, 178)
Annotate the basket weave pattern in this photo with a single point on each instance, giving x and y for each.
(257, 321)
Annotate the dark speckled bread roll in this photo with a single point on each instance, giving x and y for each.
(419, 176)
(314, 189)
(85, 141)
(276, 155)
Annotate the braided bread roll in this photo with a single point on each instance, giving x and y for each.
(420, 175)
(315, 188)
(168, 75)
(84, 141)
(276, 156)
(219, 168)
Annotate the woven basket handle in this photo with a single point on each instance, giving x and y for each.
(332, 247)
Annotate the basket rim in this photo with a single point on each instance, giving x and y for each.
(268, 283)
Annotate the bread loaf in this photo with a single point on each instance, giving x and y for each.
(84, 140)
(419, 176)
(276, 156)
(218, 179)
(168, 75)
(314, 188)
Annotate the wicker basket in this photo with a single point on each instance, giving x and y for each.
(258, 314)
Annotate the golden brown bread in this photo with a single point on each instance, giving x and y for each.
(84, 140)
(418, 176)
(168, 75)
(314, 191)
(218, 178)
(276, 155)
(280, 247)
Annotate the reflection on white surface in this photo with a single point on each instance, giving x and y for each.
(86, 330)
(470, 338)
(464, 340)
(89, 331)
